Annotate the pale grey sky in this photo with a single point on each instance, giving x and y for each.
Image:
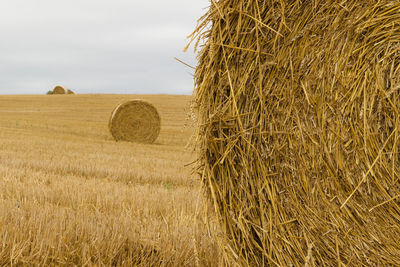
(97, 46)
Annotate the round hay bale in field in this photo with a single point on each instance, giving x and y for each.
(135, 121)
(70, 92)
(298, 106)
(59, 90)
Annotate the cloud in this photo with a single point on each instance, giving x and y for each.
(120, 46)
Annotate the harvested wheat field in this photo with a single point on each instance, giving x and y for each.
(71, 195)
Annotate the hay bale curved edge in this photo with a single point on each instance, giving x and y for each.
(60, 90)
(135, 121)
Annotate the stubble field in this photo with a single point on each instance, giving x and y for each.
(71, 195)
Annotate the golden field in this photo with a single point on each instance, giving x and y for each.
(71, 195)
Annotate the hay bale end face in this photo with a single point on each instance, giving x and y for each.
(299, 125)
(60, 90)
(135, 121)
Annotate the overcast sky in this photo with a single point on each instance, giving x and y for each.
(97, 46)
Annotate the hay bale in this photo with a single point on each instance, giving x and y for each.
(135, 121)
(70, 92)
(60, 90)
(299, 126)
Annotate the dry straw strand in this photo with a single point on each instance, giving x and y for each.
(135, 121)
(298, 130)
(60, 90)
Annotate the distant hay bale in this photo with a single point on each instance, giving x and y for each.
(60, 90)
(70, 92)
(135, 121)
(298, 106)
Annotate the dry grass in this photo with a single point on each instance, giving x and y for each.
(135, 121)
(71, 195)
(299, 127)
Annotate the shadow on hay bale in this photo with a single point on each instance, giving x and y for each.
(299, 126)
(60, 90)
(135, 121)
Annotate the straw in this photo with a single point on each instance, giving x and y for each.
(135, 121)
(298, 130)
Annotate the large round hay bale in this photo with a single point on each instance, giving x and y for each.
(298, 105)
(70, 92)
(135, 121)
(60, 90)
